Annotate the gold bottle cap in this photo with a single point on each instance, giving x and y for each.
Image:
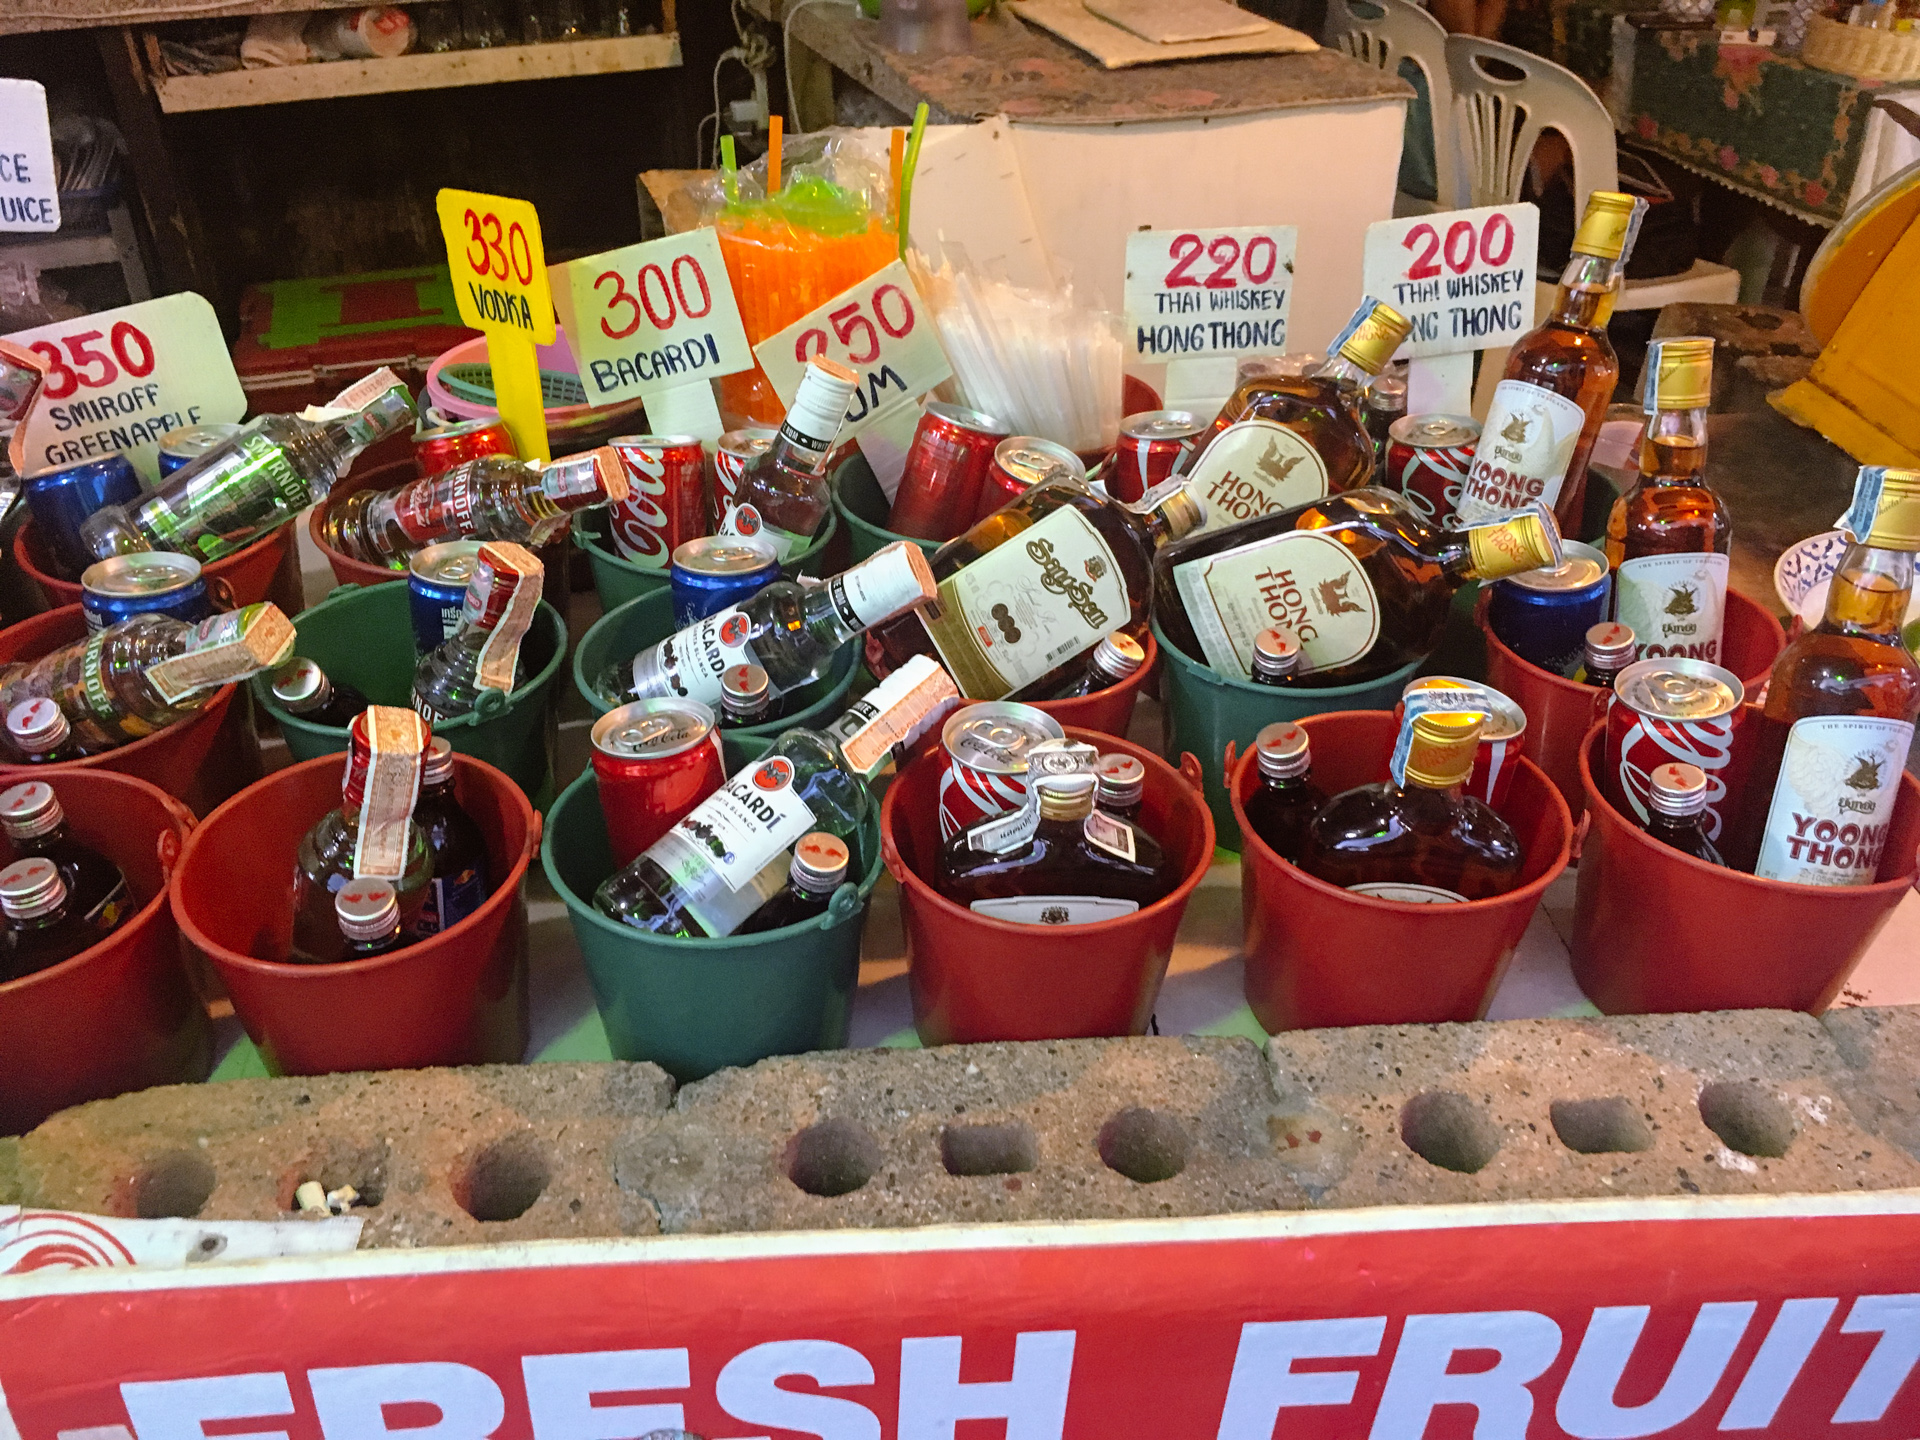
(1183, 511)
(1372, 335)
(1443, 747)
(1529, 540)
(1679, 374)
(1886, 509)
(1610, 226)
(1067, 797)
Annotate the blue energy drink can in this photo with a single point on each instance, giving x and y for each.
(715, 571)
(182, 447)
(147, 582)
(436, 589)
(61, 501)
(1543, 615)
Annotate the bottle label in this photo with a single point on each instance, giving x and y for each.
(450, 899)
(429, 509)
(1054, 909)
(112, 909)
(507, 583)
(1430, 698)
(1833, 802)
(1674, 603)
(690, 662)
(398, 741)
(223, 648)
(1025, 606)
(1523, 454)
(1002, 834)
(1108, 834)
(881, 587)
(1309, 583)
(575, 481)
(1253, 468)
(897, 711)
(226, 503)
(729, 857)
(1407, 893)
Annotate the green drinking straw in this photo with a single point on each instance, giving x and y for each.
(729, 171)
(906, 171)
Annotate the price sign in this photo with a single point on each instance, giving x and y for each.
(882, 329)
(120, 379)
(29, 196)
(1201, 293)
(1463, 277)
(500, 284)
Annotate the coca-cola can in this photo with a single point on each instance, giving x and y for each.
(1153, 444)
(1502, 739)
(655, 760)
(666, 503)
(946, 466)
(1019, 463)
(737, 450)
(438, 448)
(986, 747)
(1667, 710)
(1428, 458)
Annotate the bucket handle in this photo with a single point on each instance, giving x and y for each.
(168, 844)
(221, 593)
(489, 705)
(890, 857)
(1191, 772)
(843, 906)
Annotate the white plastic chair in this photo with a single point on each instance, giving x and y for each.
(1382, 33)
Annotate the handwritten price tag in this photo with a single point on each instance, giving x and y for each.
(1194, 293)
(1463, 277)
(29, 194)
(120, 379)
(500, 284)
(883, 329)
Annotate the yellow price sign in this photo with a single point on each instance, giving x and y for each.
(500, 284)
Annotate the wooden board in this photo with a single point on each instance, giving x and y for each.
(1178, 22)
(1117, 49)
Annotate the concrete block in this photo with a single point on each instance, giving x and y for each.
(9, 1171)
(1880, 1046)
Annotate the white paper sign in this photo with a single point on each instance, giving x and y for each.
(121, 379)
(883, 329)
(1209, 292)
(29, 194)
(1463, 277)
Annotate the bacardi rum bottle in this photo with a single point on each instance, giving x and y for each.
(785, 486)
(1668, 537)
(484, 653)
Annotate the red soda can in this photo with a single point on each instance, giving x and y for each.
(986, 747)
(439, 448)
(655, 760)
(946, 469)
(1428, 457)
(1019, 463)
(667, 504)
(1153, 444)
(1667, 710)
(737, 450)
(1502, 738)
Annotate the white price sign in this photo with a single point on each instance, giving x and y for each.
(1210, 292)
(120, 379)
(1463, 277)
(651, 316)
(882, 329)
(29, 193)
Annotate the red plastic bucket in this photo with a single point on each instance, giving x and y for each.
(1108, 711)
(973, 978)
(120, 1016)
(268, 569)
(1319, 955)
(1560, 711)
(201, 760)
(459, 998)
(1657, 931)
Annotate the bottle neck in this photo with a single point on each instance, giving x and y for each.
(1677, 825)
(1674, 449)
(1869, 593)
(1411, 786)
(1586, 295)
(1349, 377)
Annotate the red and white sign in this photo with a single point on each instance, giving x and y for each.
(1196, 293)
(1686, 1319)
(1463, 277)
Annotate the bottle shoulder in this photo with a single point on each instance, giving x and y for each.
(1827, 672)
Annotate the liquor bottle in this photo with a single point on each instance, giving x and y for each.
(141, 675)
(1419, 838)
(746, 697)
(36, 823)
(1068, 864)
(368, 913)
(1123, 786)
(1284, 805)
(1677, 808)
(1276, 656)
(789, 630)
(495, 497)
(456, 843)
(1283, 440)
(302, 688)
(40, 732)
(895, 717)
(42, 928)
(1114, 659)
(783, 490)
(1013, 616)
(1359, 578)
(819, 865)
(484, 652)
(255, 481)
(1840, 709)
(1610, 648)
(372, 835)
(1546, 412)
(1668, 537)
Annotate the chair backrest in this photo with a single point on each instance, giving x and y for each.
(1382, 33)
(1500, 113)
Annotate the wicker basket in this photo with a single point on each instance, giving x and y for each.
(1862, 53)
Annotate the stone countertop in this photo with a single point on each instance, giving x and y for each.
(23, 17)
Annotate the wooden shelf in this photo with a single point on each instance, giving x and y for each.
(436, 71)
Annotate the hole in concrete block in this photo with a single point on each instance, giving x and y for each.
(337, 1165)
(503, 1180)
(173, 1186)
(1008, 1149)
(1747, 1118)
(1445, 1128)
(1144, 1145)
(1600, 1127)
(833, 1157)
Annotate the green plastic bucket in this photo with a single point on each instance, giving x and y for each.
(362, 636)
(696, 1006)
(618, 580)
(1206, 712)
(862, 504)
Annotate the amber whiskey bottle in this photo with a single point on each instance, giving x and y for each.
(1668, 537)
(1284, 805)
(42, 927)
(1421, 837)
(1546, 412)
(1610, 648)
(1359, 578)
(1839, 718)
(1282, 440)
(1677, 808)
(819, 865)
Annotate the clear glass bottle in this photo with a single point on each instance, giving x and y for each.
(42, 927)
(368, 913)
(1276, 656)
(1123, 786)
(1360, 579)
(786, 484)
(303, 688)
(819, 866)
(484, 652)
(1284, 805)
(1610, 647)
(36, 823)
(1114, 659)
(456, 843)
(40, 732)
(1677, 808)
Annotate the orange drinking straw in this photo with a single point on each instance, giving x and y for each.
(774, 124)
(896, 157)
